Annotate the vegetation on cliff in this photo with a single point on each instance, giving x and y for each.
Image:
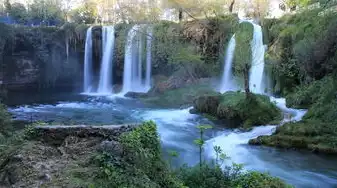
(302, 46)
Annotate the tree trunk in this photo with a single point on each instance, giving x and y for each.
(231, 6)
(180, 14)
(246, 78)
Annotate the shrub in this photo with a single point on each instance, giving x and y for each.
(259, 180)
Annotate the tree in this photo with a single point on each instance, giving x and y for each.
(46, 11)
(86, 13)
(243, 52)
(18, 12)
(293, 4)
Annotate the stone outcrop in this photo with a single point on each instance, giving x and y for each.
(56, 134)
(53, 154)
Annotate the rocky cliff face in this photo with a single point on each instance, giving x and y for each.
(35, 58)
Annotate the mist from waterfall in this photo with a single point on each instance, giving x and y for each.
(108, 41)
(133, 80)
(227, 77)
(256, 84)
(88, 62)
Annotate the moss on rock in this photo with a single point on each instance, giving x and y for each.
(234, 106)
(312, 135)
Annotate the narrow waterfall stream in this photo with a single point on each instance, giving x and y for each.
(257, 68)
(88, 62)
(148, 59)
(227, 77)
(105, 80)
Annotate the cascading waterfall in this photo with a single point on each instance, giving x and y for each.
(105, 80)
(128, 60)
(148, 59)
(257, 70)
(227, 82)
(133, 62)
(88, 62)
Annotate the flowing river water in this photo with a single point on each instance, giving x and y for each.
(177, 130)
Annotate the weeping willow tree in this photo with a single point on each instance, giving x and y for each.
(243, 52)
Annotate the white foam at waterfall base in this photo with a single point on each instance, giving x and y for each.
(233, 143)
(173, 125)
(105, 81)
(87, 84)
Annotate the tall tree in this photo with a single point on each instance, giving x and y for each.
(243, 52)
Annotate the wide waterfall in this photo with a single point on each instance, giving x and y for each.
(257, 71)
(108, 41)
(227, 77)
(133, 61)
(88, 62)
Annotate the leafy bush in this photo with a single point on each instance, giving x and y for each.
(256, 180)
(141, 164)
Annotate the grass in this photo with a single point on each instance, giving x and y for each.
(179, 97)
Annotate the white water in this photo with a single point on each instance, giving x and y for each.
(148, 59)
(257, 69)
(88, 62)
(227, 78)
(128, 60)
(233, 143)
(105, 80)
(133, 62)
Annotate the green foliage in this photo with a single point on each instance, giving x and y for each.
(181, 96)
(313, 135)
(262, 180)
(18, 12)
(234, 106)
(243, 52)
(86, 13)
(302, 47)
(320, 91)
(141, 164)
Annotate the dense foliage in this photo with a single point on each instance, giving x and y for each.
(302, 47)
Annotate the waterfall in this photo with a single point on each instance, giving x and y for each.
(133, 62)
(148, 59)
(128, 60)
(257, 69)
(88, 62)
(108, 41)
(226, 82)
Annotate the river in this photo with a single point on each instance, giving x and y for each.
(177, 130)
